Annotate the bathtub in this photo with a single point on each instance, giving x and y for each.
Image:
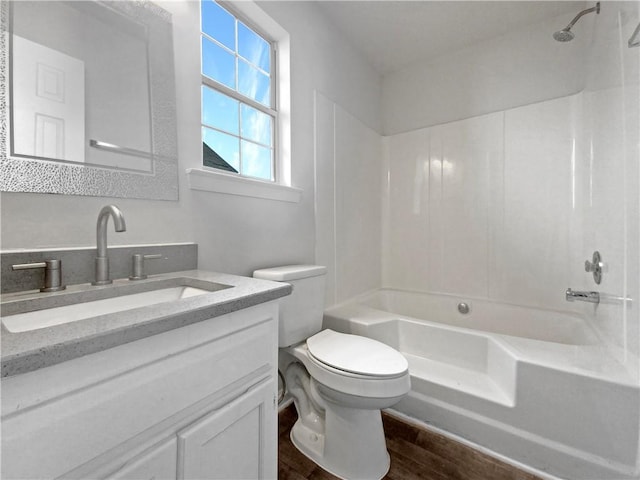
(535, 387)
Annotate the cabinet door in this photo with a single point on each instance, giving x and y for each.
(157, 463)
(237, 441)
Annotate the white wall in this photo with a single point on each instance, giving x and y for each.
(515, 69)
(336, 127)
(482, 207)
(235, 234)
(348, 207)
(323, 60)
(479, 203)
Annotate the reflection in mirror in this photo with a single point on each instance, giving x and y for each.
(79, 80)
(82, 78)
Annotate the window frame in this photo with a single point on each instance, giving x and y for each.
(234, 94)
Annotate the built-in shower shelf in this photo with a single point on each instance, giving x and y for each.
(425, 371)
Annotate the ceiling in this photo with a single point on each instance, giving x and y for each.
(394, 34)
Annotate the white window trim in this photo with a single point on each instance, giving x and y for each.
(220, 182)
(211, 180)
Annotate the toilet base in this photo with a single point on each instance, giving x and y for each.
(352, 446)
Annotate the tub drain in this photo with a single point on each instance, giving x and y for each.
(463, 308)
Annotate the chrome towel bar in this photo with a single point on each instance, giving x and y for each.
(118, 149)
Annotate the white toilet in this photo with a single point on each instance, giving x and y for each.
(339, 382)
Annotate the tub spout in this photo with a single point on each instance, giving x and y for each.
(591, 297)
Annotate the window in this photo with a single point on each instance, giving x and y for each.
(246, 103)
(239, 117)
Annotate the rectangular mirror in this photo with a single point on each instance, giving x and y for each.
(91, 99)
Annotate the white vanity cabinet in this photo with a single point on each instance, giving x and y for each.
(230, 442)
(160, 462)
(196, 402)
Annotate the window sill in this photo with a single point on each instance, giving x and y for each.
(209, 181)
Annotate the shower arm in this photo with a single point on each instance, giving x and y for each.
(579, 15)
(634, 41)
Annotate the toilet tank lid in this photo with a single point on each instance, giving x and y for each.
(290, 272)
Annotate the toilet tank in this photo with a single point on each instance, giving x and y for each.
(301, 312)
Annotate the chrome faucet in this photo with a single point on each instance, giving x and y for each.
(102, 260)
(591, 297)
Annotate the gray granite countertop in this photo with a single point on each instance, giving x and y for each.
(30, 350)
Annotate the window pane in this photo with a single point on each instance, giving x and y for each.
(218, 64)
(253, 83)
(218, 23)
(256, 161)
(254, 48)
(219, 110)
(256, 125)
(220, 150)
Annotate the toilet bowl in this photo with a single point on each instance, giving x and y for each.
(339, 382)
(354, 365)
(339, 423)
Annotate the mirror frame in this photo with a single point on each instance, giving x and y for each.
(20, 174)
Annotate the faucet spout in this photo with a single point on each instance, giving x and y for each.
(573, 295)
(102, 260)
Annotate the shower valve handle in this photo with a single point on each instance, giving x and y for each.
(595, 266)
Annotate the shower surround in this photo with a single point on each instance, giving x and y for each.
(505, 208)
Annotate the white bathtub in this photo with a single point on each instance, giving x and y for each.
(534, 386)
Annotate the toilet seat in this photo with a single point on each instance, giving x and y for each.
(353, 355)
(391, 386)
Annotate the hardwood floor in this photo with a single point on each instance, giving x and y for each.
(416, 454)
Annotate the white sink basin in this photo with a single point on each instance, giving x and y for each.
(24, 322)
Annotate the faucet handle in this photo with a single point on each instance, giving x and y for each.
(137, 265)
(595, 266)
(52, 273)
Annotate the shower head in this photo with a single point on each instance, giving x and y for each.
(565, 35)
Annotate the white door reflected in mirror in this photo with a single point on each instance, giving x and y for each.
(48, 94)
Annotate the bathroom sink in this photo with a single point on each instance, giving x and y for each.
(89, 304)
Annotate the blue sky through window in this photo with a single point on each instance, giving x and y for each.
(256, 161)
(253, 48)
(218, 64)
(218, 23)
(219, 111)
(256, 125)
(253, 83)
